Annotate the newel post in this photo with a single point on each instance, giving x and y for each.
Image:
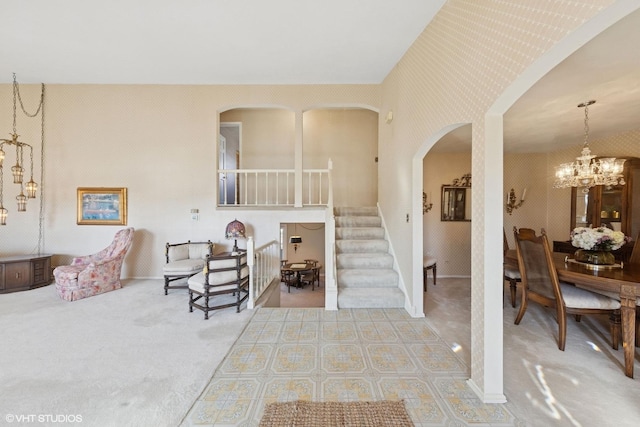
(251, 249)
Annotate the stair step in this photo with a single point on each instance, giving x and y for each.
(359, 233)
(370, 298)
(358, 221)
(362, 246)
(364, 261)
(358, 211)
(371, 278)
(366, 278)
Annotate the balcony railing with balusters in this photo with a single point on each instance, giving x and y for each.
(274, 187)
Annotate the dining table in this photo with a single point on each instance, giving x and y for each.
(298, 268)
(621, 279)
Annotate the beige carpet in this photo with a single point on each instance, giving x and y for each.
(302, 297)
(302, 413)
(131, 357)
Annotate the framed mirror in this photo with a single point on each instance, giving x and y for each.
(456, 200)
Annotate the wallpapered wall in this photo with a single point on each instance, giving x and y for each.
(453, 73)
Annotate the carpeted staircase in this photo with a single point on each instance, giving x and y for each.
(366, 278)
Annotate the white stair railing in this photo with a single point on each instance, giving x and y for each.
(264, 267)
(273, 187)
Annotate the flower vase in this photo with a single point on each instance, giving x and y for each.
(595, 257)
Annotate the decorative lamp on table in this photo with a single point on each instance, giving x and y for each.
(235, 230)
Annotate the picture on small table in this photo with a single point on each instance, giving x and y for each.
(102, 206)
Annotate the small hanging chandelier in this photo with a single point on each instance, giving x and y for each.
(18, 169)
(586, 172)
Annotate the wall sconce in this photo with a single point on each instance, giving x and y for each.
(511, 200)
(295, 240)
(426, 207)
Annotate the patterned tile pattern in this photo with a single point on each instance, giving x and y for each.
(286, 354)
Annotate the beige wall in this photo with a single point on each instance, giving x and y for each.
(526, 171)
(448, 241)
(312, 246)
(349, 137)
(268, 137)
(159, 142)
(545, 207)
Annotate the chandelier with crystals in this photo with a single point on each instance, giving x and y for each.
(587, 171)
(18, 169)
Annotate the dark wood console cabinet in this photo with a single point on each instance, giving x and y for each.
(22, 272)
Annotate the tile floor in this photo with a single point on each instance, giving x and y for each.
(287, 354)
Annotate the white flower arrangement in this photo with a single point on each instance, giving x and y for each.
(598, 239)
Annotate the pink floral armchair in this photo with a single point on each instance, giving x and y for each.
(94, 274)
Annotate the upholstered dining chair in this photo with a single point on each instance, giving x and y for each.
(428, 263)
(510, 272)
(540, 284)
(94, 274)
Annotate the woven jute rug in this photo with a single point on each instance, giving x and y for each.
(302, 413)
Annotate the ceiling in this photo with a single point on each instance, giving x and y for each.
(547, 117)
(303, 42)
(208, 41)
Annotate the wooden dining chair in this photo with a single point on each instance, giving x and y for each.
(283, 262)
(540, 284)
(312, 276)
(308, 277)
(509, 271)
(316, 274)
(289, 278)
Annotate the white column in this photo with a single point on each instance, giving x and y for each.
(487, 376)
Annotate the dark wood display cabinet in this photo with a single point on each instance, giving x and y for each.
(616, 207)
(23, 272)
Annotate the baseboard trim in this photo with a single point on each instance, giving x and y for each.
(486, 397)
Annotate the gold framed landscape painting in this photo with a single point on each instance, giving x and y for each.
(102, 206)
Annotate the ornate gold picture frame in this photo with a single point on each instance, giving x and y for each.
(102, 206)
